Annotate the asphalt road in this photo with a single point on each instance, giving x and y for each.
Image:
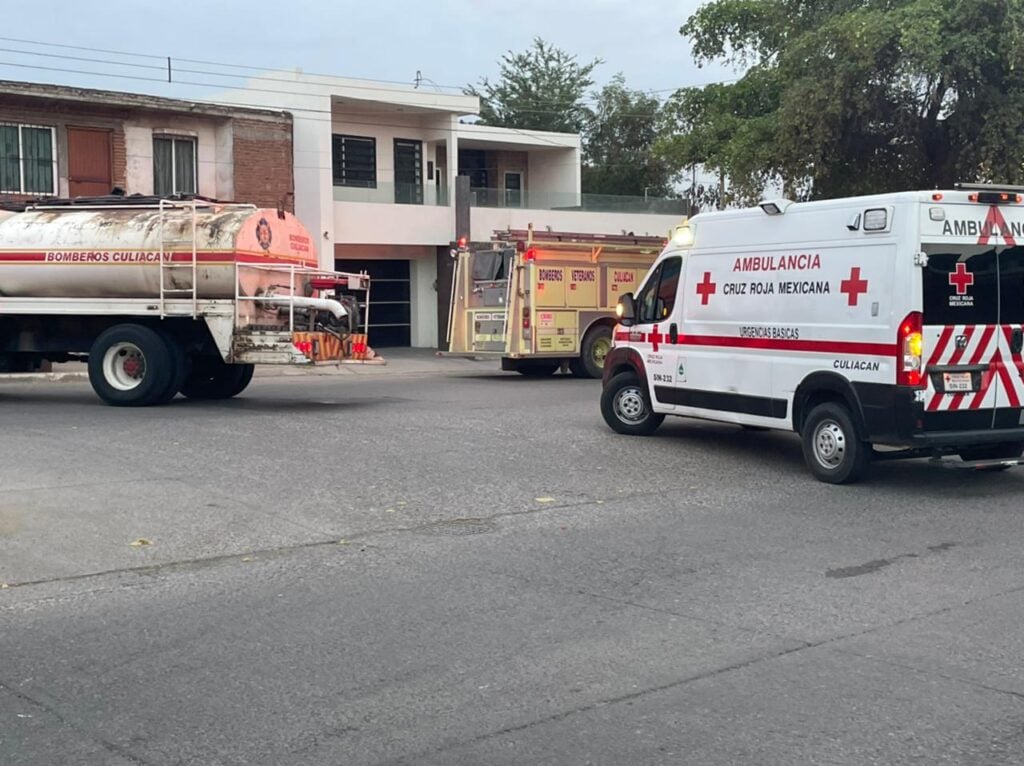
(471, 569)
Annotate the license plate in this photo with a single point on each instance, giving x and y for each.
(955, 382)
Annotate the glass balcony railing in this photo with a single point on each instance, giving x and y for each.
(391, 193)
(595, 203)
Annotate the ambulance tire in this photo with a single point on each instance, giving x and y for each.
(211, 378)
(130, 366)
(832, 447)
(595, 346)
(1007, 451)
(626, 406)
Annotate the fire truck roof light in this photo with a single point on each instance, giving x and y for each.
(531, 254)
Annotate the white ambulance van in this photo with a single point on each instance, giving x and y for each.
(875, 327)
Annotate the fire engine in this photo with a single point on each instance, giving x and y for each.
(170, 296)
(543, 300)
(875, 327)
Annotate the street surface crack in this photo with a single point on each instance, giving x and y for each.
(104, 743)
(767, 657)
(933, 673)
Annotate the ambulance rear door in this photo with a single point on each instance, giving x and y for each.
(973, 318)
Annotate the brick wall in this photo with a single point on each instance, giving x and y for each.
(263, 162)
(260, 146)
(60, 115)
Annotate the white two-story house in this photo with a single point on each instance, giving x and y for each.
(375, 169)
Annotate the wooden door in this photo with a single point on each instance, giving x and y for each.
(90, 163)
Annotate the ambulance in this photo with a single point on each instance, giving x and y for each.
(874, 327)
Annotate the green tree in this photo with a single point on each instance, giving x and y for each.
(618, 138)
(542, 88)
(846, 97)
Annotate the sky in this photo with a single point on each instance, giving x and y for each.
(450, 42)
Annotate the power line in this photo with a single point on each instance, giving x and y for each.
(251, 68)
(196, 83)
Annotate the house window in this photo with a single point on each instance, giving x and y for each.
(408, 172)
(27, 164)
(513, 189)
(174, 166)
(354, 161)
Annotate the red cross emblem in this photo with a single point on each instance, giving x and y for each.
(706, 289)
(853, 287)
(654, 338)
(961, 279)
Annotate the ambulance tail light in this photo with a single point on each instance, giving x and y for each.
(910, 350)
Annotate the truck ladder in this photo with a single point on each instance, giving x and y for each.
(168, 247)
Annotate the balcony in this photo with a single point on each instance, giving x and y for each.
(497, 209)
(392, 214)
(568, 201)
(391, 193)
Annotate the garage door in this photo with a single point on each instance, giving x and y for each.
(390, 313)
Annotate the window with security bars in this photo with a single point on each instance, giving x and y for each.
(27, 160)
(354, 161)
(174, 166)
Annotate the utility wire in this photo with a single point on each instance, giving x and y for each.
(288, 81)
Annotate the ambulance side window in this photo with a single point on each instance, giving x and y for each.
(657, 298)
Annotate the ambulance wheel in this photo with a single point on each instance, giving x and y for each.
(211, 378)
(832, 448)
(538, 369)
(130, 366)
(626, 406)
(593, 350)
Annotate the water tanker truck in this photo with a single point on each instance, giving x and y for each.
(162, 297)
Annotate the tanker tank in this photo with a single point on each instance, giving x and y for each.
(116, 251)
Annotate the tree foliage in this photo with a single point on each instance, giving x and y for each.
(542, 88)
(845, 97)
(618, 138)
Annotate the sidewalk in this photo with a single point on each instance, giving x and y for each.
(397, 361)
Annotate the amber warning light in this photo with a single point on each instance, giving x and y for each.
(910, 348)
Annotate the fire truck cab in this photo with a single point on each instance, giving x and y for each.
(874, 327)
(543, 300)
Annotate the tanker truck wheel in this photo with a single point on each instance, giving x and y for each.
(130, 366)
(211, 378)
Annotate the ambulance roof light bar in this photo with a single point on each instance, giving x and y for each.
(992, 194)
(988, 187)
(775, 206)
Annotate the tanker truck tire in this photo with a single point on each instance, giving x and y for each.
(130, 366)
(211, 378)
(179, 369)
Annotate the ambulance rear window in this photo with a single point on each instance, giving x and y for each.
(970, 285)
(976, 301)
